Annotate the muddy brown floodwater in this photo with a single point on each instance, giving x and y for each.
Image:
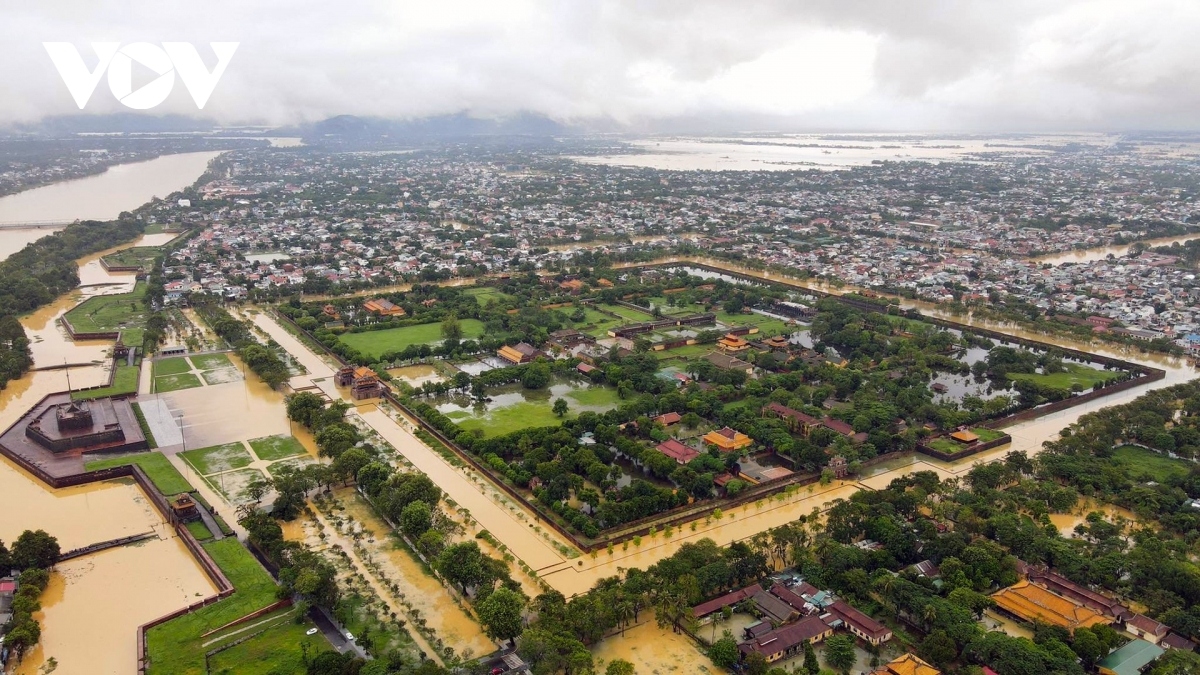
(93, 606)
(653, 650)
(571, 576)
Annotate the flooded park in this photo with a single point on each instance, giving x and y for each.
(94, 604)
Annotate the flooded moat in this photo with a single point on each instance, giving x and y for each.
(93, 606)
(165, 577)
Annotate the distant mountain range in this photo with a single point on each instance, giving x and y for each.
(341, 129)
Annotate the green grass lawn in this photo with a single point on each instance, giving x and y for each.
(162, 473)
(218, 458)
(506, 420)
(172, 366)
(594, 397)
(199, 530)
(767, 326)
(950, 446)
(677, 310)
(276, 447)
(595, 323)
(141, 256)
(526, 414)
(125, 381)
(124, 312)
(1076, 373)
(633, 315)
(275, 651)
(175, 647)
(1140, 461)
(296, 462)
(686, 352)
(377, 342)
(484, 293)
(985, 434)
(176, 382)
(211, 361)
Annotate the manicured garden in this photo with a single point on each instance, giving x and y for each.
(375, 343)
(176, 382)
(172, 366)
(277, 650)
(199, 530)
(1076, 373)
(125, 381)
(137, 256)
(158, 468)
(950, 446)
(271, 448)
(218, 458)
(125, 312)
(176, 647)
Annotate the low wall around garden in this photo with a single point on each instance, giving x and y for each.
(967, 451)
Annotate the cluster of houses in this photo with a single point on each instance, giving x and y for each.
(791, 615)
(8, 591)
(1044, 596)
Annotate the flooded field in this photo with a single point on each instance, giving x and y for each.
(423, 592)
(1066, 522)
(416, 375)
(94, 604)
(653, 650)
(790, 152)
(512, 407)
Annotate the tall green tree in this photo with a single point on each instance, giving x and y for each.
(839, 652)
(34, 548)
(501, 614)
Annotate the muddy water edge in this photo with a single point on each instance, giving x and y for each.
(93, 605)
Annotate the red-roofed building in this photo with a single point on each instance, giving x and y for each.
(715, 605)
(796, 420)
(667, 419)
(838, 426)
(860, 624)
(787, 640)
(677, 451)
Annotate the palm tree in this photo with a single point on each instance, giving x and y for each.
(929, 613)
(625, 613)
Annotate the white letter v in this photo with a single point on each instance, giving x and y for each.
(79, 81)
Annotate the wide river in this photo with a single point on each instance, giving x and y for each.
(104, 196)
(92, 609)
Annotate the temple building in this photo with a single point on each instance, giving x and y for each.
(382, 307)
(727, 440)
(58, 428)
(363, 382)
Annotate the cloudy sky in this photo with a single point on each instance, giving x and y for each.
(815, 64)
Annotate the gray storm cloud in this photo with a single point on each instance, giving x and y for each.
(823, 63)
